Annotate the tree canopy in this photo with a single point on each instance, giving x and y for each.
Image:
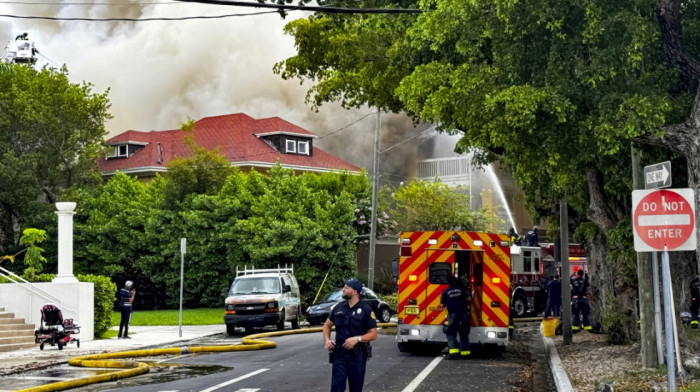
(51, 134)
(553, 91)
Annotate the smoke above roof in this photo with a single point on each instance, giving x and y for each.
(161, 72)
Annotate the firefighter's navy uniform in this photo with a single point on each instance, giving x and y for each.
(694, 301)
(579, 303)
(349, 365)
(456, 299)
(125, 298)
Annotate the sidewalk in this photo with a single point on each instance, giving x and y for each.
(142, 337)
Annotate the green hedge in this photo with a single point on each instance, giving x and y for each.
(392, 300)
(105, 291)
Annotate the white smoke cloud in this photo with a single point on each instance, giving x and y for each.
(160, 72)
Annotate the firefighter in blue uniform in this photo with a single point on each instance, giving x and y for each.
(125, 296)
(553, 290)
(456, 299)
(694, 301)
(355, 327)
(579, 303)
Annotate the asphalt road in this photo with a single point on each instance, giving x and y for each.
(300, 363)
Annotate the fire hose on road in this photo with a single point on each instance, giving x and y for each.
(131, 368)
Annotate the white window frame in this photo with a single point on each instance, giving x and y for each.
(305, 149)
(117, 150)
(290, 145)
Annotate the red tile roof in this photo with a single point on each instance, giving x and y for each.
(234, 134)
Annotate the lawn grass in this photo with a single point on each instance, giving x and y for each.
(206, 316)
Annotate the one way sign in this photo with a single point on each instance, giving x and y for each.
(657, 176)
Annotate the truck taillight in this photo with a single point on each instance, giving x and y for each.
(405, 251)
(472, 280)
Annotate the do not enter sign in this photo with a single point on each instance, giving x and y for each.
(664, 219)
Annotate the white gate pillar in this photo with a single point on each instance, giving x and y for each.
(65, 212)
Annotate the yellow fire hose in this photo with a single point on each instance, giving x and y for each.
(135, 368)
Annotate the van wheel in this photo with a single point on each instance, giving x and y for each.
(519, 306)
(295, 322)
(231, 329)
(280, 325)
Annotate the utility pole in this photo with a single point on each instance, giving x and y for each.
(565, 288)
(645, 286)
(375, 186)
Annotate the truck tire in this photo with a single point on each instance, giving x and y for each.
(404, 347)
(295, 322)
(230, 329)
(519, 307)
(280, 325)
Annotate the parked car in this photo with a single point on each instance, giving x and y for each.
(318, 313)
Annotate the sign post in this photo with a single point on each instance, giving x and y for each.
(664, 219)
(183, 250)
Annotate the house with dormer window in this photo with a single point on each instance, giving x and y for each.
(246, 142)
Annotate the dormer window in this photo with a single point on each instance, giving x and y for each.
(289, 143)
(125, 149)
(303, 148)
(291, 146)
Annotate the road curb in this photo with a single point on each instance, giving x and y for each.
(561, 379)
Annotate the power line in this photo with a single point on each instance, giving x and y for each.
(133, 19)
(432, 128)
(87, 4)
(276, 7)
(322, 9)
(346, 126)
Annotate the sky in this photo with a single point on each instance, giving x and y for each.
(158, 73)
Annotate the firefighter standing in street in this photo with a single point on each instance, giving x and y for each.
(694, 301)
(456, 299)
(579, 303)
(355, 327)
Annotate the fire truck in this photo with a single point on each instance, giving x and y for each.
(426, 259)
(531, 269)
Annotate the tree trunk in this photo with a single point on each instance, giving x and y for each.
(606, 282)
(599, 273)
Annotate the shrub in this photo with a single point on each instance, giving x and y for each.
(612, 323)
(392, 300)
(105, 290)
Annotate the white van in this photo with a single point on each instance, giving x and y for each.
(260, 297)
